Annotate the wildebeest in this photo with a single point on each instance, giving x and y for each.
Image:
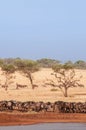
(5, 86)
(20, 86)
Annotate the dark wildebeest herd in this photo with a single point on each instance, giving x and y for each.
(31, 106)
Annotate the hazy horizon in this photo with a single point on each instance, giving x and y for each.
(54, 29)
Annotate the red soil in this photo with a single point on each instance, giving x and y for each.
(7, 119)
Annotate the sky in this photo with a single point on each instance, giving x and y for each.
(35, 29)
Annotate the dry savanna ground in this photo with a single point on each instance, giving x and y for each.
(41, 93)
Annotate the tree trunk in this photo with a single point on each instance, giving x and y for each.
(31, 80)
(6, 83)
(66, 92)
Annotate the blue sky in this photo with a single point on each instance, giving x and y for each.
(37, 29)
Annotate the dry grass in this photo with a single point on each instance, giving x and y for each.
(41, 93)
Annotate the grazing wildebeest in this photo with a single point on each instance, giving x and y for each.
(34, 86)
(20, 86)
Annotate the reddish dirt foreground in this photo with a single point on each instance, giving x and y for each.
(9, 119)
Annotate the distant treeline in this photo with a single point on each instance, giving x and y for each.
(44, 62)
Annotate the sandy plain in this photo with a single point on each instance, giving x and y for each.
(42, 92)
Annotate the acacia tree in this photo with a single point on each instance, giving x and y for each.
(8, 70)
(66, 78)
(80, 64)
(47, 63)
(27, 67)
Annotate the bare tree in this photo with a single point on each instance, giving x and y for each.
(66, 78)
